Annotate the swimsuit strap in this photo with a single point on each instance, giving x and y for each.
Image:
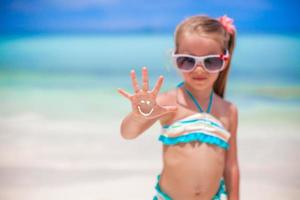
(195, 100)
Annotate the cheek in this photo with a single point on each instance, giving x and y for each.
(185, 75)
(213, 77)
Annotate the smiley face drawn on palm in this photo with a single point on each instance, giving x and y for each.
(145, 105)
(144, 101)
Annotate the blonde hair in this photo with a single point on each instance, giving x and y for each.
(204, 25)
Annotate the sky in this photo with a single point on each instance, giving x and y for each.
(68, 16)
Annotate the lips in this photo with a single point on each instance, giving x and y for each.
(199, 78)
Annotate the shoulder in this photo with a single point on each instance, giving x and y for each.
(226, 106)
(233, 110)
(230, 110)
(233, 118)
(167, 98)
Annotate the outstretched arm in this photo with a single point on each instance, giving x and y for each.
(231, 172)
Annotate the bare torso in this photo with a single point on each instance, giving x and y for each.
(192, 171)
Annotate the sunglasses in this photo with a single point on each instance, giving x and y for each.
(211, 63)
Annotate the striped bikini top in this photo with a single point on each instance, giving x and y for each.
(202, 127)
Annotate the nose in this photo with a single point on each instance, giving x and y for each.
(199, 67)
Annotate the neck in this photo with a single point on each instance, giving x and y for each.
(202, 95)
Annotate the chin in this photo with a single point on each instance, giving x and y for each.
(198, 85)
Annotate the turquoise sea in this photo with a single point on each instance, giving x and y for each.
(56, 73)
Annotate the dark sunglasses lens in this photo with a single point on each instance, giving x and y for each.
(185, 63)
(213, 64)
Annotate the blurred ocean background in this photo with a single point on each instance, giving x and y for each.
(61, 63)
(265, 70)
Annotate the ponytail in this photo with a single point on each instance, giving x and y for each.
(220, 83)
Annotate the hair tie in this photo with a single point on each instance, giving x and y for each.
(227, 23)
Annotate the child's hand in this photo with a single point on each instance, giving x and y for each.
(143, 101)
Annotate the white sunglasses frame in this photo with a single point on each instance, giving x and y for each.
(200, 59)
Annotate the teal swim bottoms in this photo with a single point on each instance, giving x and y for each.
(220, 195)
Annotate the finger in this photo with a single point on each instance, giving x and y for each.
(124, 93)
(134, 81)
(158, 85)
(145, 79)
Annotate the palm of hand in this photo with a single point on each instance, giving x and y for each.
(143, 101)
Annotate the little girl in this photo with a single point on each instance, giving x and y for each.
(199, 145)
